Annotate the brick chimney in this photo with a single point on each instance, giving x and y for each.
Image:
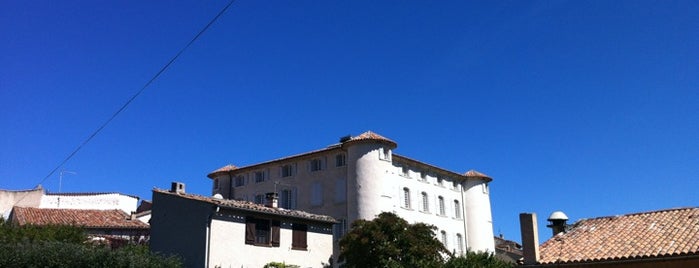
(271, 200)
(530, 237)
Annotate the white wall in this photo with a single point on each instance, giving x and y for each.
(90, 201)
(228, 248)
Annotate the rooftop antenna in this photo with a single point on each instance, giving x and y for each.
(60, 177)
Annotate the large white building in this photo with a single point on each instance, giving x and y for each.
(361, 177)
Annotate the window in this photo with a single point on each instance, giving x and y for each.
(459, 244)
(455, 184)
(425, 202)
(440, 181)
(316, 165)
(316, 194)
(287, 199)
(259, 199)
(340, 190)
(216, 184)
(261, 232)
(485, 188)
(441, 206)
(457, 209)
(340, 160)
(287, 171)
(406, 197)
(299, 236)
(406, 172)
(239, 180)
(423, 176)
(259, 176)
(444, 238)
(385, 154)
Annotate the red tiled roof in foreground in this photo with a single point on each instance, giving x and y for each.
(671, 232)
(88, 218)
(249, 206)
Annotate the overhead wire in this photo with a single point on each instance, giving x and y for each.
(130, 100)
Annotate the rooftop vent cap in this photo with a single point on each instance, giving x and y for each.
(218, 196)
(558, 215)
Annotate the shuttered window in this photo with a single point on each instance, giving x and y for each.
(299, 237)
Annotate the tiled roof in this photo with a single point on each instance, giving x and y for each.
(88, 218)
(366, 136)
(672, 232)
(475, 174)
(249, 206)
(371, 136)
(400, 158)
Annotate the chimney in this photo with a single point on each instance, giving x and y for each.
(271, 200)
(530, 237)
(557, 222)
(132, 216)
(177, 187)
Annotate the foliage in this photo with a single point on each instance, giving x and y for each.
(280, 265)
(389, 241)
(65, 246)
(32, 233)
(477, 260)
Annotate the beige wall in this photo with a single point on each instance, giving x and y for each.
(228, 248)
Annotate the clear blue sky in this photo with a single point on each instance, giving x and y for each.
(590, 107)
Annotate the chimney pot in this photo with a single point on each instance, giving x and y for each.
(558, 223)
(272, 200)
(177, 187)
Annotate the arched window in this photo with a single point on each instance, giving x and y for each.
(425, 202)
(442, 211)
(459, 244)
(457, 209)
(444, 238)
(406, 197)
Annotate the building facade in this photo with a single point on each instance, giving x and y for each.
(215, 232)
(361, 177)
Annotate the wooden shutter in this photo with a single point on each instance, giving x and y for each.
(275, 233)
(249, 231)
(299, 237)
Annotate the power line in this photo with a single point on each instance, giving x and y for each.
(123, 107)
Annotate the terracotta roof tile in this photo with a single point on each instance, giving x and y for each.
(249, 206)
(88, 218)
(475, 174)
(649, 234)
(371, 136)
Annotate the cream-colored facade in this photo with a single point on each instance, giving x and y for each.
(361, 177)
(212, 232)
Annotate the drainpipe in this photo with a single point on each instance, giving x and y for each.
(463, 214)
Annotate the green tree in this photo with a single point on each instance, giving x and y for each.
(65, 246)
(389, 241)
(477, 260)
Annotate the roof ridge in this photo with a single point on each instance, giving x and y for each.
(639, 213)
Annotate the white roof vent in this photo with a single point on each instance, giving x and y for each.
(558, 215)
(218, 196)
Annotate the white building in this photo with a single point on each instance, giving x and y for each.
(215, 232)
(100, 201)
(361, 177)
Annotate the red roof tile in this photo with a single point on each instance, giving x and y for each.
(371, 136)
(88, 218)
(475, 174)
(669, 232)
(249, 206)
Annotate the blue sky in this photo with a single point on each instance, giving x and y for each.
(590, 107)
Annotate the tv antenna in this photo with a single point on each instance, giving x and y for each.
(60, 177)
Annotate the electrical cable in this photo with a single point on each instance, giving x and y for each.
(123, 107)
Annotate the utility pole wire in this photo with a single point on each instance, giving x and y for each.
(123, 107)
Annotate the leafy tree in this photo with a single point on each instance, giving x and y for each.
(280, 265)
(477, 260)
(389, 241)
(65, 246)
